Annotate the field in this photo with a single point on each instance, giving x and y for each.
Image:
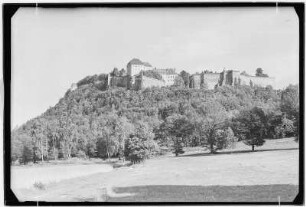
(269, 174)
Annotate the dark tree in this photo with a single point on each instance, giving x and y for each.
(115, 72)
(185, 77)
(210, 125)
(152, 74)
(250, 126)
(290, 105)
(177, 129)
(259, 72)
(122, 72)
(178, 81)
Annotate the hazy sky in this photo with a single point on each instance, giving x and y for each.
(53, 48)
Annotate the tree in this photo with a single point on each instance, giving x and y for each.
(250, 126)
(136, 150)
(178, 146)
(140, 145)
(22, 148)
(210, 124)
(122, 72)
(115, 72)
(39, 140)
(107, 143)
(168, 109)
(177, 129)
(290, 105)
(98, 122)
(27, 150)
(152, 74)
(178, 81)
(52, 138)
(259, 72)
(285, 128)
(225, 138)
(185, 77)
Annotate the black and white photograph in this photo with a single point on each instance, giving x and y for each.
(154, 103)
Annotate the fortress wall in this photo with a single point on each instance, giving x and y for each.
(256, 81)
(146, 82)
(149, 82)
(195, 81)
(211, 80)
(119, 82)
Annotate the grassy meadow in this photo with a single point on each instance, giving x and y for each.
(268, 174)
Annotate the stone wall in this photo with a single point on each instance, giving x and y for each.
(210, 80)
(256, 81)
(195, 81)
(119, 81)
(204, 80)
(142, 82)
(232, 78)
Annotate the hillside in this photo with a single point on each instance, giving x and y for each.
(91, 121)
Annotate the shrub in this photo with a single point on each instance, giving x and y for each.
(27, 155)
(178, 148)
(152, 74)
(136, 150)
(39, 185)
(81, 154)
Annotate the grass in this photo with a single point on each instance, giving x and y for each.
(39, 186)
(229, 176)
(270, 144)
(27, 177)
(179, 193)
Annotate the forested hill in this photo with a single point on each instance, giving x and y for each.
(89, 122)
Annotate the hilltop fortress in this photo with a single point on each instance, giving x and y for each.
(139, 75)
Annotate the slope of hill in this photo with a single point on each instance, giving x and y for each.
(93, 122)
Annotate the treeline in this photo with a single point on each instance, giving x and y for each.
(89, 122)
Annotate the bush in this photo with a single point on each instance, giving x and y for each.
(285, 129)
(152, 74)
(136, 150)
(178, 148)
(27, 155)
(81, 154)
(39, 186)
(53, 154)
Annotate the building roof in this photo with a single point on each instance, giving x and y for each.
(196, 74)
(147, 64)
(135, 61)
(166, 71)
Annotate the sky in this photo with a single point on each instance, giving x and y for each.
(53, 48)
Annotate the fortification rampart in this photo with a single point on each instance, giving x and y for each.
(146, 82)
(233, 78)
(119, 81)
(210, 80)
(256, 81)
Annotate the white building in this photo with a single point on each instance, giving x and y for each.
(135, 66)
(168, 75)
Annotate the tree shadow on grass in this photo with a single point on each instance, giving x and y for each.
(235, 152)
(182, 193)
